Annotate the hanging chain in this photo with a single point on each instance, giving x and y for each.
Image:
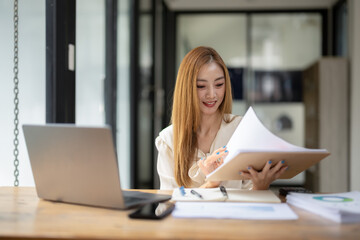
(16, 92)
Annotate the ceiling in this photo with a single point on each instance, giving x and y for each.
(238, 5)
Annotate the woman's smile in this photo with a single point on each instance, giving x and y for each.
(210, 104)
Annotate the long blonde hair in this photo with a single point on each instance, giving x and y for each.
(186, 110)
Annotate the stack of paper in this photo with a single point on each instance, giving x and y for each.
(252, 144)
(233, 195)
(339, 207)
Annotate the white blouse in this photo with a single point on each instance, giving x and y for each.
(165, 163)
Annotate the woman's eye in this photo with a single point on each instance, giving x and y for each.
(200, 86)
(220, 84)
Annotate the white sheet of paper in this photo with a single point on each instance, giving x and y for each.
(252, 135)
(250, 211)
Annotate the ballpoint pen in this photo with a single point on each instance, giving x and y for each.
(182, 190)
(223, 190)
(196, 193)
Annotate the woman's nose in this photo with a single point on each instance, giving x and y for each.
(211, 92)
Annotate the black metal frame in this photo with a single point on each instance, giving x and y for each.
(169, 60)
(153, 14)
(134, 91)
(60, 81)
(158, 70)
(335, 24)
(110, 88)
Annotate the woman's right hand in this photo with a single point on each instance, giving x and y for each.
(212, 162)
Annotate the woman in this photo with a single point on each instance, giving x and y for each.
(202, 124)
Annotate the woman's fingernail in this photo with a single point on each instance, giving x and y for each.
(240, 173)
(226, 151)
(224, 146)
(287, 168)
(249, 168)
(282, 161)
(217, 153)
(270, 162)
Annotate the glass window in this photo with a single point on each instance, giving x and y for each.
(90, 74)
(282, 45)
(123, 92)
(226, 33)
(90, 62)
(285, 41)
(31, 83)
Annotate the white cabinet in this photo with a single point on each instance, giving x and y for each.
(326, 93)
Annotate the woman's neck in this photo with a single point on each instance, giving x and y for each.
(209, 126)
(210, 123)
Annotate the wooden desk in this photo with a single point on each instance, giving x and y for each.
(23, 215)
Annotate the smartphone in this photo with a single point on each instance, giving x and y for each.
(153, 211)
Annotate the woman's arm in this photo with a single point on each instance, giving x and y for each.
(165, 165)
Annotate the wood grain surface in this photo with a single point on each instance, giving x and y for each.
(24, 215)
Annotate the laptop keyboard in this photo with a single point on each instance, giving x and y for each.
(132, 199)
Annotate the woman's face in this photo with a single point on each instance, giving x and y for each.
(210, 85)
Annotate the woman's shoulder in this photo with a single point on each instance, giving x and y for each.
(166, 136)
(231, 120)
(228, 126)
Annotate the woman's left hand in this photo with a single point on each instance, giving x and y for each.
(262, 179)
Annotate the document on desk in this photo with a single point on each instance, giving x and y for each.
(339, 207)
(234, 195)
(232, 210)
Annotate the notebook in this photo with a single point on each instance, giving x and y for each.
(215, 195)
(78, 165)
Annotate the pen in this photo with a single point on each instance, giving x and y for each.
(182, 190)
(196, 193)
(223, 190)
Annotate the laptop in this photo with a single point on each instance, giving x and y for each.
(74, 164)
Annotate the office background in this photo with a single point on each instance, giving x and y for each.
(126, 57)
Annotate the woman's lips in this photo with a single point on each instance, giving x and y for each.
(210, 104)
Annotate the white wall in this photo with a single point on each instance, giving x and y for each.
(354, 54)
